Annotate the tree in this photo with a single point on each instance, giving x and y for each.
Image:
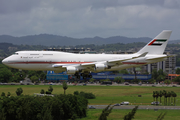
(169, 95)
(174, 95)
(159, 75)
(5, 75)
(167, 82)
(34, 78)
(50, 88)
(154, 73)
(136, 80)
(178, 71)
(9, 94)
(92, 80)
(42, 91)
(131, 114)
(154, 95)
(36, 75)
(28, 107)
(177, 79)
(172, 92)
(160, 95)
(157, 95)
(124, 71)
(19, 91)
(165, 97)
(42, 76)
(161, 72)
(65, 86)
(105, 112)
(3, 94)
(118, 80)
(152, 81)
(18, 76)
(160, 78)
(76, 92)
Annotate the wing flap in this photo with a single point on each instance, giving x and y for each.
(119, 61)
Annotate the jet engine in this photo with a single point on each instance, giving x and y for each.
(71, 70)
(100, 67)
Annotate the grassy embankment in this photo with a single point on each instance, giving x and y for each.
(104, 94)
(107, 95)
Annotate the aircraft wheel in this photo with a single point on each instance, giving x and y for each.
(84, 77)
(90, 76)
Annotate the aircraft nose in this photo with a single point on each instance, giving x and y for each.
(5, 61)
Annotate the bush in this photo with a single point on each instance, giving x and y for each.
(86, 95)
(50, 88)
(76, 92)
(60, 107)
(19, 91)
(48, 92)
(3, 94)
(9, 94)
(42, 91)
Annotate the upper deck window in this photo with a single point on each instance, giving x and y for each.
(47, 54)
(34, 54)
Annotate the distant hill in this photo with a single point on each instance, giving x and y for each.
(54, 40)
(174, 41)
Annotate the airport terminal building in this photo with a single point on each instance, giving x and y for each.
(51, 76)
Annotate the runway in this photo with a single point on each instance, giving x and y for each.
(146, 107)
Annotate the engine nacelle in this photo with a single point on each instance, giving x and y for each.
(71, 70)
(100, 67)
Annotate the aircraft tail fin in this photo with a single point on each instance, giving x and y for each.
(158, 44)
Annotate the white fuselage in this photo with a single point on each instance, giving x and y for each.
(44, 60)
(85, 63)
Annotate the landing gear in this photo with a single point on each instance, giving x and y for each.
(84, 75)
(77, 75)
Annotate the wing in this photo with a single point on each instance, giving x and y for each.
(94, 66)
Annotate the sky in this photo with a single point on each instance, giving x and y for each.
(90, 18)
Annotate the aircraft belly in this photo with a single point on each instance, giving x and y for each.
(30, 66)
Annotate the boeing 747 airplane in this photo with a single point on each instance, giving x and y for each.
(83, 64)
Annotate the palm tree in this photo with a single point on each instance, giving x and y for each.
(157, 95)
(154, 95)
(160, 95)
(174, 95)
(172, 92)
(164, 94)
(169, 95)
(65, 86)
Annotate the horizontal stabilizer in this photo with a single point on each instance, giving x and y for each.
(153, 58)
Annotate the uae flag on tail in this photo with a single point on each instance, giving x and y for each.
(157, 42)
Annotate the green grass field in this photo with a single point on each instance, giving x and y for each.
(109, 94)
(104, 94)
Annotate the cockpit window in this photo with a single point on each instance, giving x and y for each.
(15, 53)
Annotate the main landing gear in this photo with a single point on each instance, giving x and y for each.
(84, 75)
